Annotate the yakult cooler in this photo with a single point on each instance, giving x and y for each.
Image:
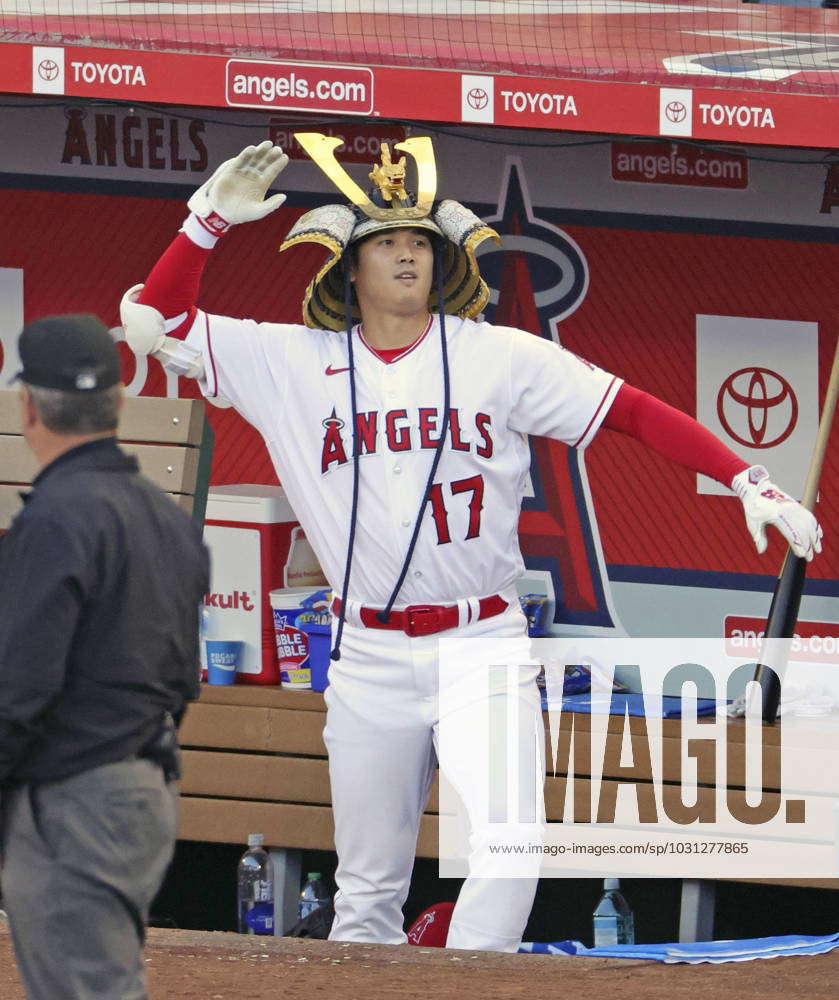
(256, 545)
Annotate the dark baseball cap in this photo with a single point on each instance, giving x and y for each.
(74, 353)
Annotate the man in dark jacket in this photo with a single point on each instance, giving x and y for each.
(101, 576)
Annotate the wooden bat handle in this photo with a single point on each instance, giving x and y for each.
(811, 486)
(786, 599)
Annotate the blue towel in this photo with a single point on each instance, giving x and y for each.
(694, 952)
(655, 706)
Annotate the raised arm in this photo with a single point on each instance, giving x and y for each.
(156, 314)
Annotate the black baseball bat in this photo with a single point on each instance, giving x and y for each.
(786, 598)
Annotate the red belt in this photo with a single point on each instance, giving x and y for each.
(427, 619)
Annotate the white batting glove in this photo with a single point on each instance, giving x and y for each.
(236, 191)
(763, 503)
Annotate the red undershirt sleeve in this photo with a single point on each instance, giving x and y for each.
(172, 285)
(673, 434)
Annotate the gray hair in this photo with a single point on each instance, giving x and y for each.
(77, 412)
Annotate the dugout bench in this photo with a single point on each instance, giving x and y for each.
(171, 439)
(254, 760)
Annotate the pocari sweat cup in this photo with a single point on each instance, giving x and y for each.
(222, 660)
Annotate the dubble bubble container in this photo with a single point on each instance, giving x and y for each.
(301, 623)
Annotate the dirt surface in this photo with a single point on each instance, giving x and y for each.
(196, 965)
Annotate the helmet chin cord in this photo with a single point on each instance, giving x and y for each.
(384, 614)
(348, 290)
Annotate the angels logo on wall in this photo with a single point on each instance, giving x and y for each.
(537, 277)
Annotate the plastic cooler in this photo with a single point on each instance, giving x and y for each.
(255, 545)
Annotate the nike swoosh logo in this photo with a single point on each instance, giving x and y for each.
(334, 371)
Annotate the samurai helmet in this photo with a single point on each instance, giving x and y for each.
(389, 205)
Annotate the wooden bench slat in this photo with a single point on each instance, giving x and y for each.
(806, 744)
(252, 776)
(796, 732)
(239, 727)
(172, 468)
(819, 810)
(17, 463)
(225, 821)
(10, 412)
(143, 418)
(267, 778)
(220, 821)
(310, 827)
(263, 696)
(167, 421)
(806, 764)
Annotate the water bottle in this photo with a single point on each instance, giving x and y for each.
(613, 920)
(255, 889)
(312, 896)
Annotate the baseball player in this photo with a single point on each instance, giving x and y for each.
(397, 422)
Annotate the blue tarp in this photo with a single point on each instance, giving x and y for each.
(694, 952)
(654, 706)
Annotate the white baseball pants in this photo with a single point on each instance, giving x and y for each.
(382, 731)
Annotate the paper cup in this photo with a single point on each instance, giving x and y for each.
(222, 660)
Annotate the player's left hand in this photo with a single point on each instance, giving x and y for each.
(763, 503)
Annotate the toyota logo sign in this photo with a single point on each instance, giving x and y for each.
(676, 111)
(48, 69)
(757, 407)
(477, 98)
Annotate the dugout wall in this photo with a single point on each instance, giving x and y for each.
(703, 275)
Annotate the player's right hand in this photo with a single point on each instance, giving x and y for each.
(236, 191)
(763, 504)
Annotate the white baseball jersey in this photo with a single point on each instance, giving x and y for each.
(292, 384)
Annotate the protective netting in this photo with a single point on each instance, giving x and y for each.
(777, 46)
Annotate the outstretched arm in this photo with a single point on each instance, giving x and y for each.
(679, 437)
(672, 433)
(165, 305)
